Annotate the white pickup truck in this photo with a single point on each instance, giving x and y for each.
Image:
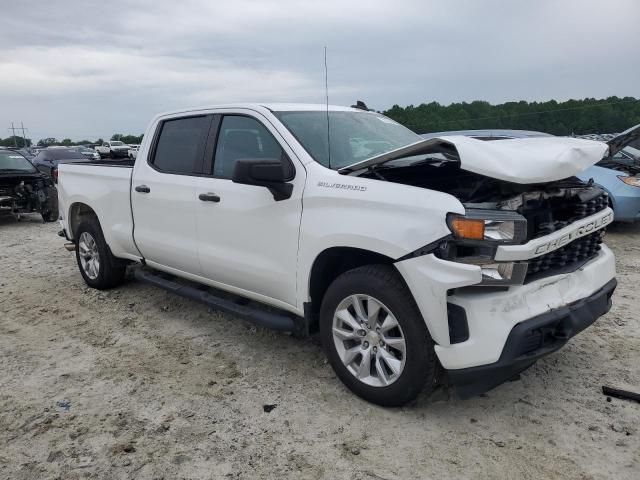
(113, 149)
(412, 257)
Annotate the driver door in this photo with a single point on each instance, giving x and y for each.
(247, 241)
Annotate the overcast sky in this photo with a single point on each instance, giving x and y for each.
(88, 69)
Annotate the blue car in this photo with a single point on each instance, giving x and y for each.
(618, 173)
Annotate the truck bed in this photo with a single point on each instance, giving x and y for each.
(106, 186)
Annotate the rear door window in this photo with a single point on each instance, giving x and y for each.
(180, 145)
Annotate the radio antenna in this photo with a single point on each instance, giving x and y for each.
(326, 91)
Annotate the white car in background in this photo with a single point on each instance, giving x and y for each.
(133, 151)
(113, 149)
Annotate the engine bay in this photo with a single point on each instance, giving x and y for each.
(546, 206)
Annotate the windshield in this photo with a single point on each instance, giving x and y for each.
(116, 144)
(354, 136)
(15, 162)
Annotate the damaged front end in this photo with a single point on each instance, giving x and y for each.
(23, 189)
(562, 221)
(502, 216)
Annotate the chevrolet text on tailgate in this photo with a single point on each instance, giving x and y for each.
(409, 256)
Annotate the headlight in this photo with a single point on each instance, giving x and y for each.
(500, 230)
(477, 235)
(633, 181)
(490, 225)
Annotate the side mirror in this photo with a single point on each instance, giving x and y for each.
(263, 173)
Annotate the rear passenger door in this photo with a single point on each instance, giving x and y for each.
(163, 194)
(248, 242)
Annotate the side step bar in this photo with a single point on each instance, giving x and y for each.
(274, 321)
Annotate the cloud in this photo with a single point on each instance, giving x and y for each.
(90, 68)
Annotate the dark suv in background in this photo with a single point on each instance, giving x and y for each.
(47, 160)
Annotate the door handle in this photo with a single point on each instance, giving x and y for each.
(209, 197)
(143, 189)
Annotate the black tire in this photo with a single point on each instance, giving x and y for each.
(50, 212)
(111, 270)
(421, 365)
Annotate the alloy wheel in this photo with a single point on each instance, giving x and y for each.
(369, 340)
(89, 255)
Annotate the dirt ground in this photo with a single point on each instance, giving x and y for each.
(137, 383)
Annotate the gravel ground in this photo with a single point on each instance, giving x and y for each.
(137, 383)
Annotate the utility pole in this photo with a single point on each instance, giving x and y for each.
(24, 137)
(13, 130)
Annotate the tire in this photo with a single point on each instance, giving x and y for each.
(419, 364)
(108, 271)
(50, 212)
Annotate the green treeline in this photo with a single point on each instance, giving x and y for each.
(610, 115)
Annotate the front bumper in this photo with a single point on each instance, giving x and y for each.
(490, 315)
(532, 339)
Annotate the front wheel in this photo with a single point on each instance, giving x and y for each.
(50, 209)
(375, 337)
(98, 267)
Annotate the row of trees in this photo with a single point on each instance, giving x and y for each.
(578, 117)
(609, 115)
(14, 141)
(67, 142)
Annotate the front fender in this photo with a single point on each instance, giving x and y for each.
(429, 278)
(382, 217)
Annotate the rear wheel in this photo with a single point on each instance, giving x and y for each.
(99, 268)
(375, 337)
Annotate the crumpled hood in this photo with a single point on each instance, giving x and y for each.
(528, 160)
(521, 160)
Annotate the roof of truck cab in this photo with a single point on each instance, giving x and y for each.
(274, 107)
(308, 107)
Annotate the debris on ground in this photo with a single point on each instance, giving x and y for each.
(618, 393)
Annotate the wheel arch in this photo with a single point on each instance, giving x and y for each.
(331, 263)
(78, 211)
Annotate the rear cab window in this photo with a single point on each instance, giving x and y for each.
(180, 145)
